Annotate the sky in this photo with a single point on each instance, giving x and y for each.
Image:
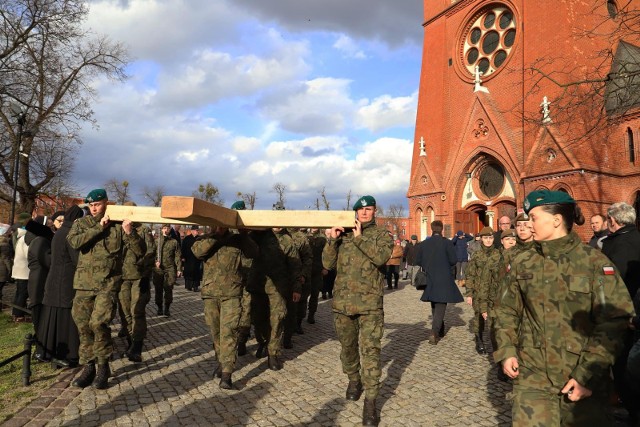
(248, 93)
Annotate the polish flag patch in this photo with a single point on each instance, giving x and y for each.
(608, 270)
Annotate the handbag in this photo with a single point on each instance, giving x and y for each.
(421, 280)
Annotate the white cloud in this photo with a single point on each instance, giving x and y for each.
(387, 112)
(348, 47)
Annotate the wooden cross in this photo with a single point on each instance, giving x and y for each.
(191, 210)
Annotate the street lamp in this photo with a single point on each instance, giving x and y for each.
(21, 116)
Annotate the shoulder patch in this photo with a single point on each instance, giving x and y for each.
(608, 270)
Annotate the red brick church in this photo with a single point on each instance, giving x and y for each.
(517, 96)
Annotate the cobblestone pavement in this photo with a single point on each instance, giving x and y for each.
(423, 385)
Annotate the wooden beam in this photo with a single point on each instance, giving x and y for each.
(144, 214)
(195, 210)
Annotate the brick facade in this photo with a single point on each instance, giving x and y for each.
(482, 142)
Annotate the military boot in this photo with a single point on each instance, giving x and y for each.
(166, 310)
(354, 390)
(123, 332)
(102, 377)
(369, 415)
(225, 381)
(86, 376)
(261, 351)
(480, 344)
(274, 363)
(311, 318)
(135, 352)
(242, 344)
(160, 311)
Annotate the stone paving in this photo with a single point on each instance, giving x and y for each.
(423, 385)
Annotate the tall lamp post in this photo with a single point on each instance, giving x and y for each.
(21, 116)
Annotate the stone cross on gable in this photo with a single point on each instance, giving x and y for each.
(478, 82)
(423, 151)
(546, 118)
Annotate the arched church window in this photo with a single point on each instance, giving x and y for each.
(631, 146)
(488, 39)
(491, 180)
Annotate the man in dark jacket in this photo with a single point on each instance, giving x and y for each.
(410, 256)
(437, 256)
(600, 229)
(461, 242)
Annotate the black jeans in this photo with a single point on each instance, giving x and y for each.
(438, 309)
(20, 298)
(393, 270)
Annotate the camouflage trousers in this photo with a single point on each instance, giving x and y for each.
(222, 316)
(245, 318)
(268, 312)
(92, 313)
(134, 296)
(316, 286)
(360, 337)
(542, 408)
(163, 282)
(477, 322)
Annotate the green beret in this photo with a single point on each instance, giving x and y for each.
(238, 205)
(364, 201)
(96, 195)
(546, 197)
(414, 237)
(486, 231)
(508, 233)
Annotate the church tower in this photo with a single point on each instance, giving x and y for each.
(517, 96)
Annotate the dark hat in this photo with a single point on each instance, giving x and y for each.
(414, 237)
(522, 217)
(460, 233)
(486, 231)
(239, 205)
(96, 195)
(278, 206)
(73, 213)
(546, 197)
(57, 214)
(364, 201)
(508, 233)
(39, 229)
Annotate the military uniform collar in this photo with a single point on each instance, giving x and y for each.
(559, 246)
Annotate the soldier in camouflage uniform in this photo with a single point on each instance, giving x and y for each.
(222, 284)
(270, 285)
(244, 328)
(97, 282)
(317, 242)
(482, 279)
(168, 266)
(360, 257)
(561, 321)
(306, 260)
(135, 292)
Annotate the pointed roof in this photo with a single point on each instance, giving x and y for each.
(622, 90)
(548, 156)
(417, 186)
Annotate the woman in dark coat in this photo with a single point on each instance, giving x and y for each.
(38, 238)
(192, 266)
(58, 333)
(437, 257)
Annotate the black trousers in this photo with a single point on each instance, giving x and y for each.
(438, 309)
(20, 298)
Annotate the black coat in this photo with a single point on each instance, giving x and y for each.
(59, 287)
(39, 259)
(192, 266)
(437, 257)
(623, 249)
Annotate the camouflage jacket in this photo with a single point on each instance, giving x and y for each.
(222, 256)
(482, 276)
(564, 312)
(360, 264)
(101, 253)
(168, 253)
(507, 256)
(305, 253)
(317, 242)
(271, 270)
(136, 267)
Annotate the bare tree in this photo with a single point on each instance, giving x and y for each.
(118, 190)
(154, 194)
(248, 198)
(47, 62)
(280, 189)
(325, 201)
(348, 207)
(209, 193)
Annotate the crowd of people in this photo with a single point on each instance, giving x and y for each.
(558, 313)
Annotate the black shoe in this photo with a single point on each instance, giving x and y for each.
(287, 343)
(123, 332)
(299, 329)
(225, 381)
(86, 377)
(330, 295)
(274, 363)
(480, 345)
(354, 390)
(160, 312)
(261, 351)
(217, 373)
(242, 348)
(166, 311)
(369, 415)
(311, 318)
(135, 352)
(102, 377)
